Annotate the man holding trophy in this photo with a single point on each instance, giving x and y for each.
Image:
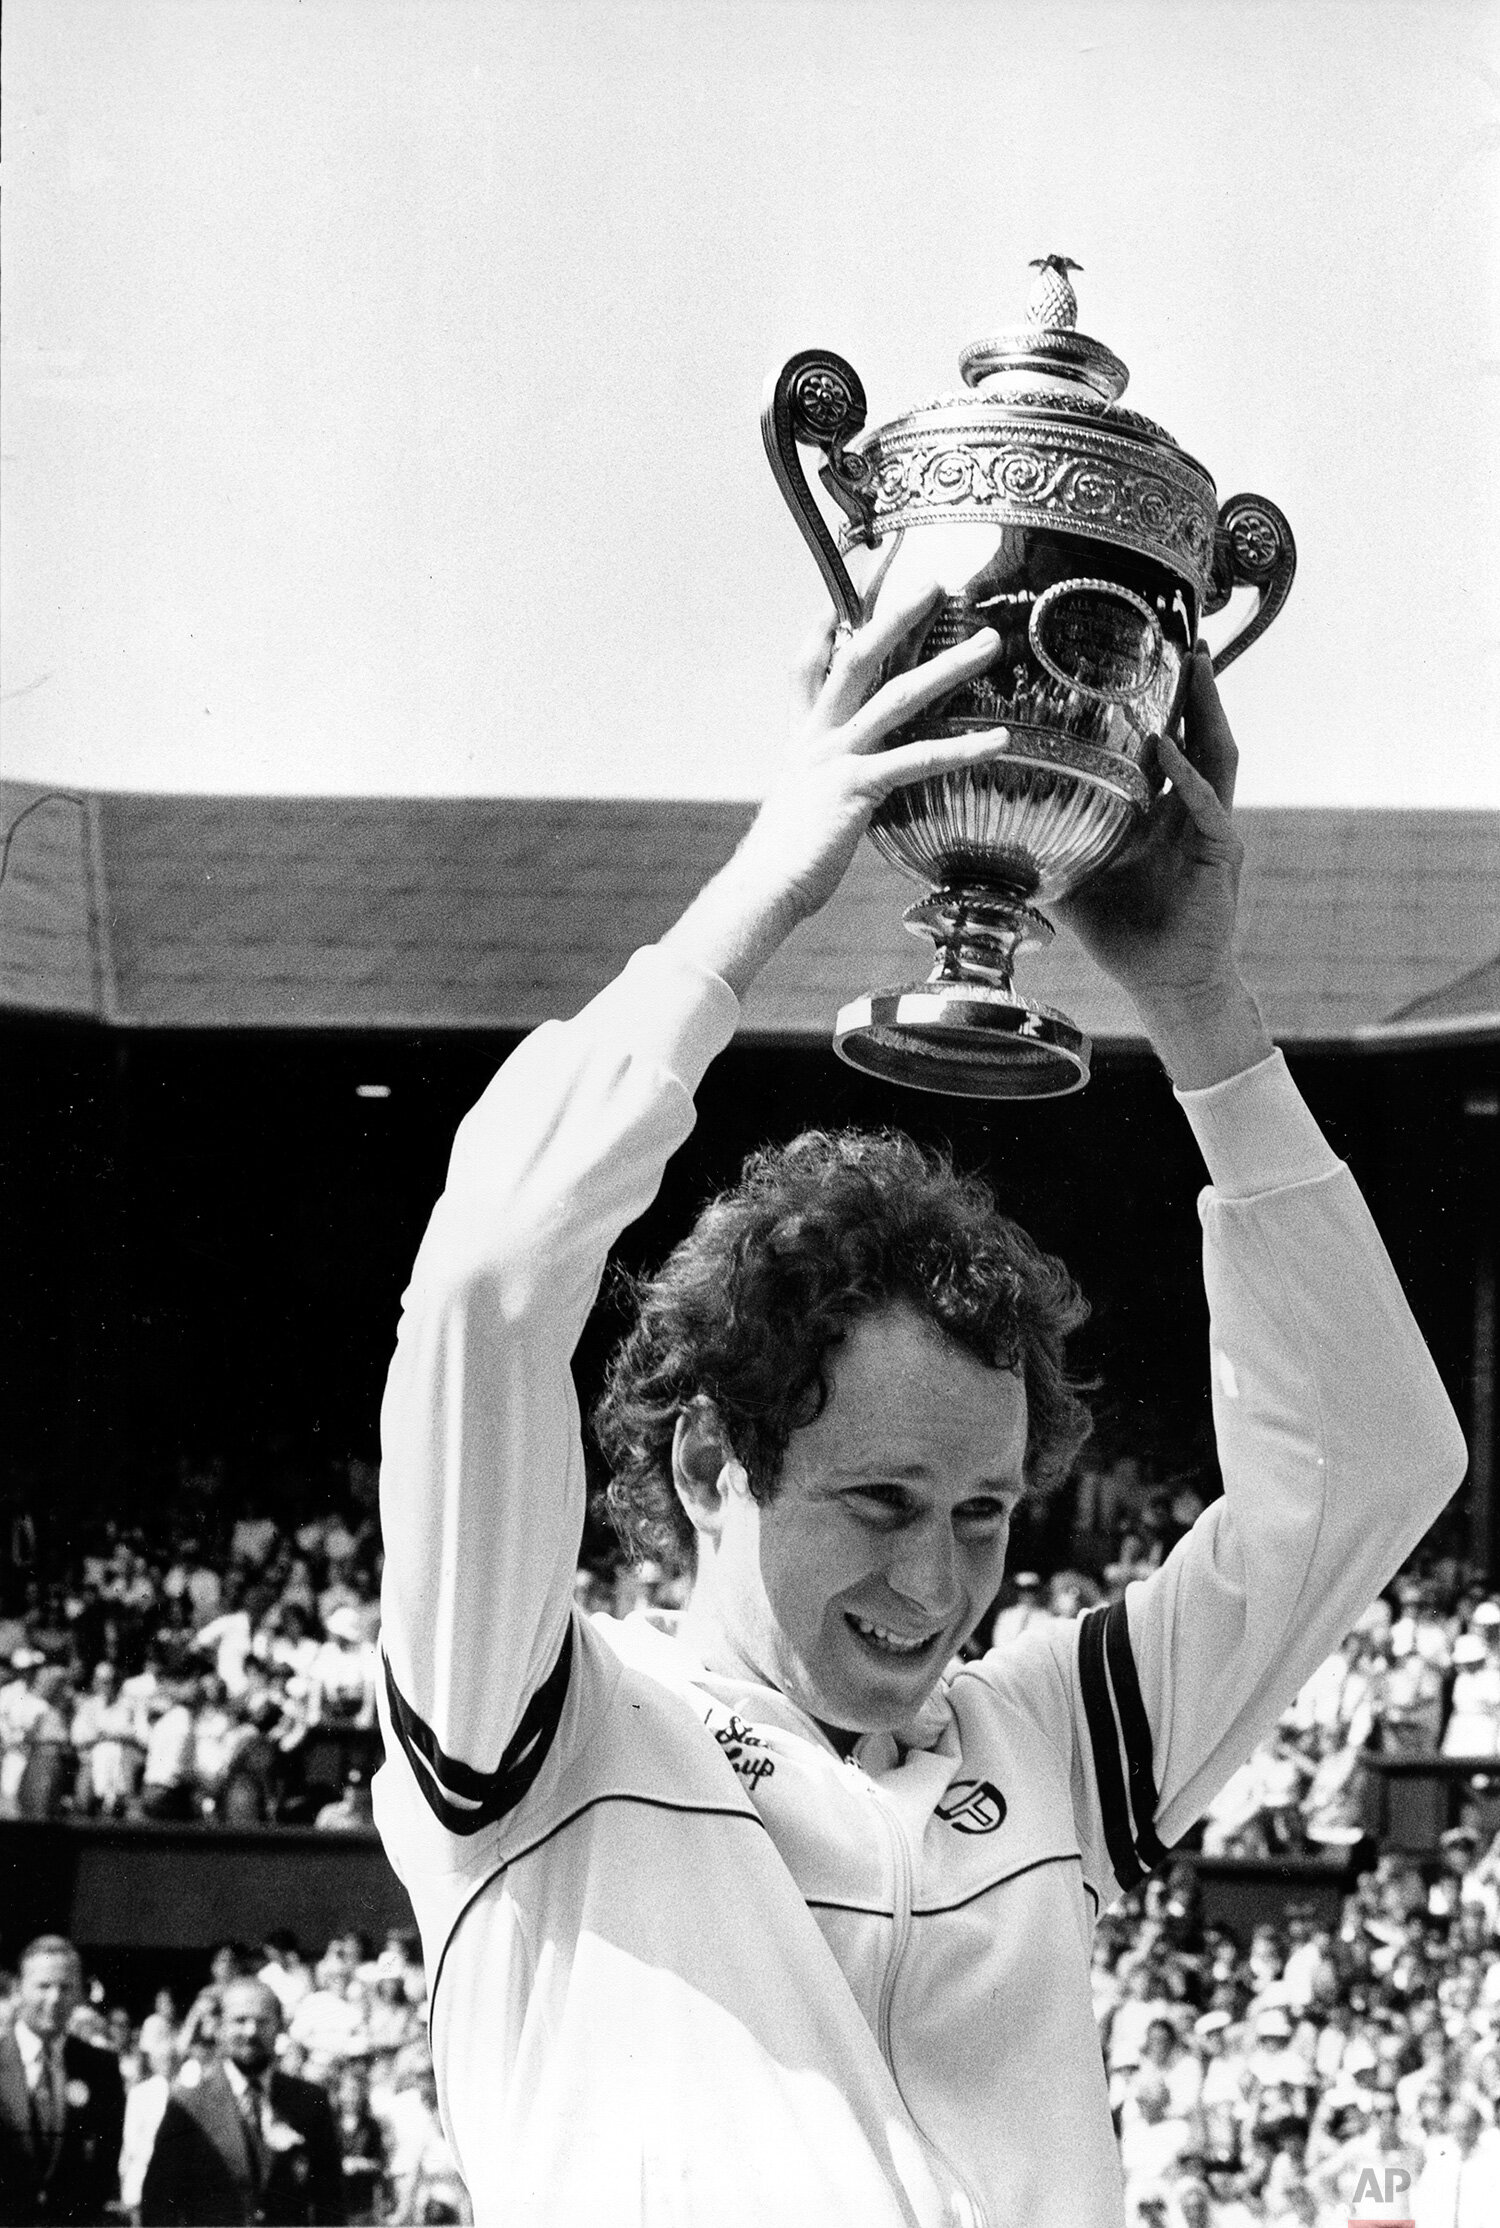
(767, 1919)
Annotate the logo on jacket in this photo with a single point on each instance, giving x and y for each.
(736, 1739)
(973, 1806)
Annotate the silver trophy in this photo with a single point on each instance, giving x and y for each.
(1093, 544)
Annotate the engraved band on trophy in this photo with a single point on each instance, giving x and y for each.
(1093, 544)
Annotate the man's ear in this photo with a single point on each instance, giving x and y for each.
(705, 1469)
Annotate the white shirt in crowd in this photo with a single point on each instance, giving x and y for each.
(169, 1748)
(229, 1638)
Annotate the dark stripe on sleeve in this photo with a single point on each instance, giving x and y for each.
(1113, 1810)
(1136, 1727)
(461, 1798)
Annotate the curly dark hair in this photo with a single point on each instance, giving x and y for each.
(747, 1310)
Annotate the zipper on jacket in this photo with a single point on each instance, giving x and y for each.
(901, 1902)
(900, 1923)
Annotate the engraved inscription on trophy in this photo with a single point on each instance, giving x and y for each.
(1098, 638)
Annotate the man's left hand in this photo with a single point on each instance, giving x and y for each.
(1161, 920)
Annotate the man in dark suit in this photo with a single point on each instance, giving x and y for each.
(248, 2143)
(62, 2105)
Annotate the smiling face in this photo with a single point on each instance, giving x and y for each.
(885, 1543)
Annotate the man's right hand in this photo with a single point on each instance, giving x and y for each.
(838, 772)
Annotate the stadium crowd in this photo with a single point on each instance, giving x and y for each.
(1313, 2073)
(222, 1669)
(1307, 2075)
(196, 1666)
(347, 2027)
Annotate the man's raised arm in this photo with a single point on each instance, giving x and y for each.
(1336, 1441)
(482, 1476)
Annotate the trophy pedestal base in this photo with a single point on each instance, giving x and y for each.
(967, 1040)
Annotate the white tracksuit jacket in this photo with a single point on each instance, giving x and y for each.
(689, 1966)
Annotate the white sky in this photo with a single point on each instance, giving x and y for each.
(383, 376)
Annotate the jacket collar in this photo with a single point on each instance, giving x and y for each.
(652, 1644)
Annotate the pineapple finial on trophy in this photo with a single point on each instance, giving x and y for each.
(1052, 302)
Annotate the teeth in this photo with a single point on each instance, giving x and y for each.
(891, 1640)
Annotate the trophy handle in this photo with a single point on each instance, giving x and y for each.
(817, 398)
(1253, 548)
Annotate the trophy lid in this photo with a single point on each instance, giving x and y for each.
(1047, 364)
(1040, 438)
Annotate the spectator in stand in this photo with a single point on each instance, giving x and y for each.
(290, 1696)
(192, 1580)
(342, 1679)
(1157, 1535)
(167, 1785)
(342, 1589)
(1134, 1559)
(160, 2023)
(1460, 2170)
(1153, 2141)
(1019, 1615)
(1220, 2047)
(1431, 2072)
(1164, 2055)
(1474, 1726)
(215, 1729)
(298, 1590)
(1275, 2065)
(1418, 1627)
(145, 2102)
(285, 1636)
(254, 1537)
(249, 1794)
(1336, 1802)
(353, 1811)
(285, 1970)
(1457, 1850)
(362, 2142)
(424, 2177)
(99, 1787)
(16, 1707)
(393, 2018)
(329, 2023)
(227, 1637)
(62, 2107)
(1355, 2135)
(15, 1632)
(1069, 1593)
(1342, 1697)
(50, 1767)
(1411, 1706)
(128, 1585)
(1308, 1976)
(1256, 1812)
(143, 1698)
(1107, 1501)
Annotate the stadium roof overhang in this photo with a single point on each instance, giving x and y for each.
(1370, 928)
(1465, 1011)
